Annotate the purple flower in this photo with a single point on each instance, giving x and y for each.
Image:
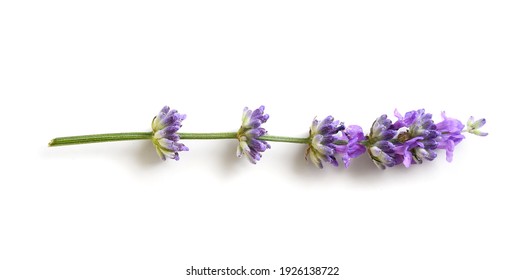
(165, 125)
(379, 145)
(249, 133)
(325, 141)
(417, 137)
(354, 136)
(382, 129)
(450, 135)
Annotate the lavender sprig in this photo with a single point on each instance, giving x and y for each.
(413, 138)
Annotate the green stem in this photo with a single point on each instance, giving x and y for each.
(233, 135)
(284, 139)
(208, 136)
(97, 138)
(112, 137)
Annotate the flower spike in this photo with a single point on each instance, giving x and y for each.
(412, 139)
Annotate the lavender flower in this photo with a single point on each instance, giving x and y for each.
(165, 125)
(473, 126)
(249, 133)
(417, 137)
(450, 135)
(413, 138)
(325, 141)
(354, 136)
(379, 145)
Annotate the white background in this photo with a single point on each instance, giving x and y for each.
(115, 211)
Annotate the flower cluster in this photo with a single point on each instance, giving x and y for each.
(415, 137)
(379, 145)
(165, 125)
(325, 141)
(329, 138)
(249, 133)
